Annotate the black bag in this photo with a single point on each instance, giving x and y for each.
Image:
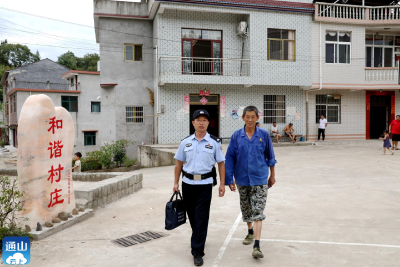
(175, 212)
(214, 171)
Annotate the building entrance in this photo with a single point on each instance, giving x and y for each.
(212, 107)
(379, 113)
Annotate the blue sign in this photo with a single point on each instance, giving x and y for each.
(16, 250)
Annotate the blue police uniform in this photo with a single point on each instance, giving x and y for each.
(200, 156)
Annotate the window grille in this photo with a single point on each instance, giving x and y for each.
(134, 114)
(274, 108)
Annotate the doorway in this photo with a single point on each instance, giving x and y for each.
(379, 115)
(212, 107)
(15, 137)
(201, 49)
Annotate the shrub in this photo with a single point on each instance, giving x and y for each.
(4, 232)
(88, 164)
(10, 202)
(119, 150)
(1, 143)
(128, 162)
(93, 160)
(109, 155)
(106, 158)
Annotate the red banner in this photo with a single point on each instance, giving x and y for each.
(380, 93)
(204, 92)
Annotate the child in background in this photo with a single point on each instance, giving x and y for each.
(77, 167)
(386, 142)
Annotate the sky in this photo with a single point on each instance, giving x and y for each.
(50, 37)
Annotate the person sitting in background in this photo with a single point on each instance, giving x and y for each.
(257, 124)
(275, 133)
(289, 131)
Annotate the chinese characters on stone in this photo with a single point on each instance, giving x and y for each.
(55, 148)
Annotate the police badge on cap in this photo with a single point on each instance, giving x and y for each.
(200, 112)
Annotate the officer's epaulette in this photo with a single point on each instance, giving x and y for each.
(215, 138)
(185, 138)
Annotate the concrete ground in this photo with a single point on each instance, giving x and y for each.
(331, 206)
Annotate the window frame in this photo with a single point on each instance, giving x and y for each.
(337, 43)
(135, 118)
(383, 46)
(283, 46)
(273, 118)
(339, 105)
(133, 52)
(91, 106)
(191, 40)
(69, 101)
(91, 134)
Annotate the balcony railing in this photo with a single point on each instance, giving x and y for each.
(384, 13)
(203, 66)
(41, 86)
(340, 11)
(356, 14)
(381, 74)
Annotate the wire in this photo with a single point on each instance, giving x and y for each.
(138, 35)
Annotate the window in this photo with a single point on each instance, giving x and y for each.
(329, 106)
(11, 103)
(133, 52)
(70, 103)
(96, 107)
(134, 114)
(382, 50)
(337, 47)
(281, 45)
(274, 109)
(198, 44)
(90, 138)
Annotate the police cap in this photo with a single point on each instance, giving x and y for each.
(200, 112)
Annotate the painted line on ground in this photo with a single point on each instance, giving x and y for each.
(228, 238)
(323, 242)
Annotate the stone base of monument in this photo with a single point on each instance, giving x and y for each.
(47, 231)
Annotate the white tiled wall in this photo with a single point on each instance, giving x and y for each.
(173, 128)
(262, 71)
(353, 115)
(353, 73)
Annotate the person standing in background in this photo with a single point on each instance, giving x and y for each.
(394, 128)
(322, 126)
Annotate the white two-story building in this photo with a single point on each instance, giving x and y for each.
(215, 55)
(355, 79)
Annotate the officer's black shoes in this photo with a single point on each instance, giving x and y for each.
(198, 260)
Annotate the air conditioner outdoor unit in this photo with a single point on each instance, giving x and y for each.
(242, 28)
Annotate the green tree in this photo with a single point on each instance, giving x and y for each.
(87, 62)
(68, 60)
(16, 55)
(13, 56)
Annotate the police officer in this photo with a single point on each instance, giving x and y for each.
(200, 151)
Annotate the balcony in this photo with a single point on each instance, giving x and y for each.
(353, 14)
(382, 74)
(203, 66)
(42, 86)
